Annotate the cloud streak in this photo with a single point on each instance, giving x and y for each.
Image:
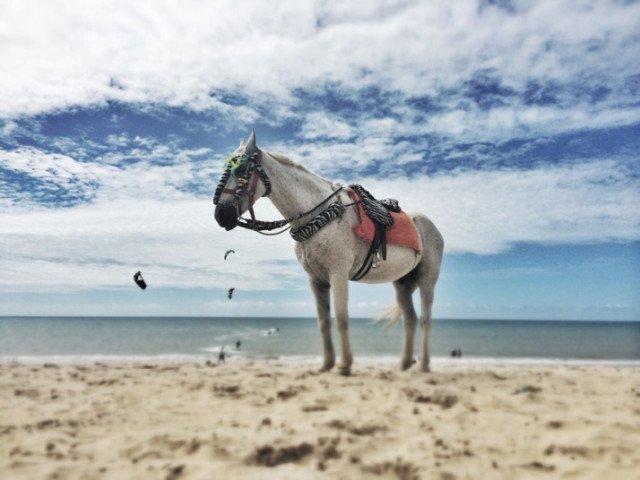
(171, 234)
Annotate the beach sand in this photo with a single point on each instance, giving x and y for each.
(281, 421)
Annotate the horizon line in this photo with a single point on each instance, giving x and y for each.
(315, 318)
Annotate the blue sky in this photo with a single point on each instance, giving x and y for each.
(514, 125)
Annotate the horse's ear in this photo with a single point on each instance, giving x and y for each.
(250, 144)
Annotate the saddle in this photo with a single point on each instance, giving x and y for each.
(381, 222)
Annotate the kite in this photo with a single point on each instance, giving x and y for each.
(228, 252)
(230, 292)
(137, 277)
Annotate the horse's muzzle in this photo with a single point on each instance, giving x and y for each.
(226, 215)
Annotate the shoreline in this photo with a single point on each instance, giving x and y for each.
(307, 360)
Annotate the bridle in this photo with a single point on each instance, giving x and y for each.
(247, 180)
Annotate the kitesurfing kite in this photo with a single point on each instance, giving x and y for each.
(137, 277)
(228, 252)
(230, 292)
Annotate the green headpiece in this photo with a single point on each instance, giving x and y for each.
(237, 164)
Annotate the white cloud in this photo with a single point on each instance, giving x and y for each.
(141, 219)
(353, 155)
(488, 211)
(177, 53)
(55, 171)
(320, 124)
(516, 121)
(8, 127)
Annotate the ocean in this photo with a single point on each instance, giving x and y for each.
(95, 338)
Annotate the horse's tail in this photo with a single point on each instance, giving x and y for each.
(391, 314)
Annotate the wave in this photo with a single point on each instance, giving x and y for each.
(228, 350)
(243, 334)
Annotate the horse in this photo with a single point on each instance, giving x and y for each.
(329, 251)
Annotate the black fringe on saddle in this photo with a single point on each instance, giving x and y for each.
(378, 212)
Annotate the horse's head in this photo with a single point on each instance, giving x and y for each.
(243, 181)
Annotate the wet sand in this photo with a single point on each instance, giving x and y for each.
(273, 420)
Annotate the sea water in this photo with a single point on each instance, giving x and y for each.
(40, 338)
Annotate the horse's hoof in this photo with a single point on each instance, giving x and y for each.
(404, 365)
(326, 367)
(345, 371)
(425, 369)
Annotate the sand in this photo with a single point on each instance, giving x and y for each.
(279, 421)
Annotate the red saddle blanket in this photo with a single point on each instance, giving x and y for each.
(403, 232)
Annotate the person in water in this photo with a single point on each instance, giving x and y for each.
(238, 344)
(457, 353)
(221, 355)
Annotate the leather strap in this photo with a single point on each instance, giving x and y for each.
(251, 193)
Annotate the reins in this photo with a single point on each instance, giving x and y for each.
(262, 226)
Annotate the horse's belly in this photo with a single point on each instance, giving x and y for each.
(399, 262)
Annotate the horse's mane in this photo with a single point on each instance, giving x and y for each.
(284, 160)
(287, 161)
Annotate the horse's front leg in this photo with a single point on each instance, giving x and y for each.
(340, 289)
(320, 290)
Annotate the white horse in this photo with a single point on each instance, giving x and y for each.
(333, 254)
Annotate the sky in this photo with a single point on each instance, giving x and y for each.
(513, 125)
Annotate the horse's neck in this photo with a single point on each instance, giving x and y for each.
(294, 190)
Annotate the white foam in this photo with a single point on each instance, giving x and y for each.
(66, 359)
(228, 350)
(246, 334)
(240, 356)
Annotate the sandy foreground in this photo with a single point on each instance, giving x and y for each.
(279, 421)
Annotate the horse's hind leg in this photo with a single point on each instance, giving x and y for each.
(426, 299)
(404, 289)
(427, 274)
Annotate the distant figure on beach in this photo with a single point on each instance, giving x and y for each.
(457, 353)
(238, 344)
(221, 355)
